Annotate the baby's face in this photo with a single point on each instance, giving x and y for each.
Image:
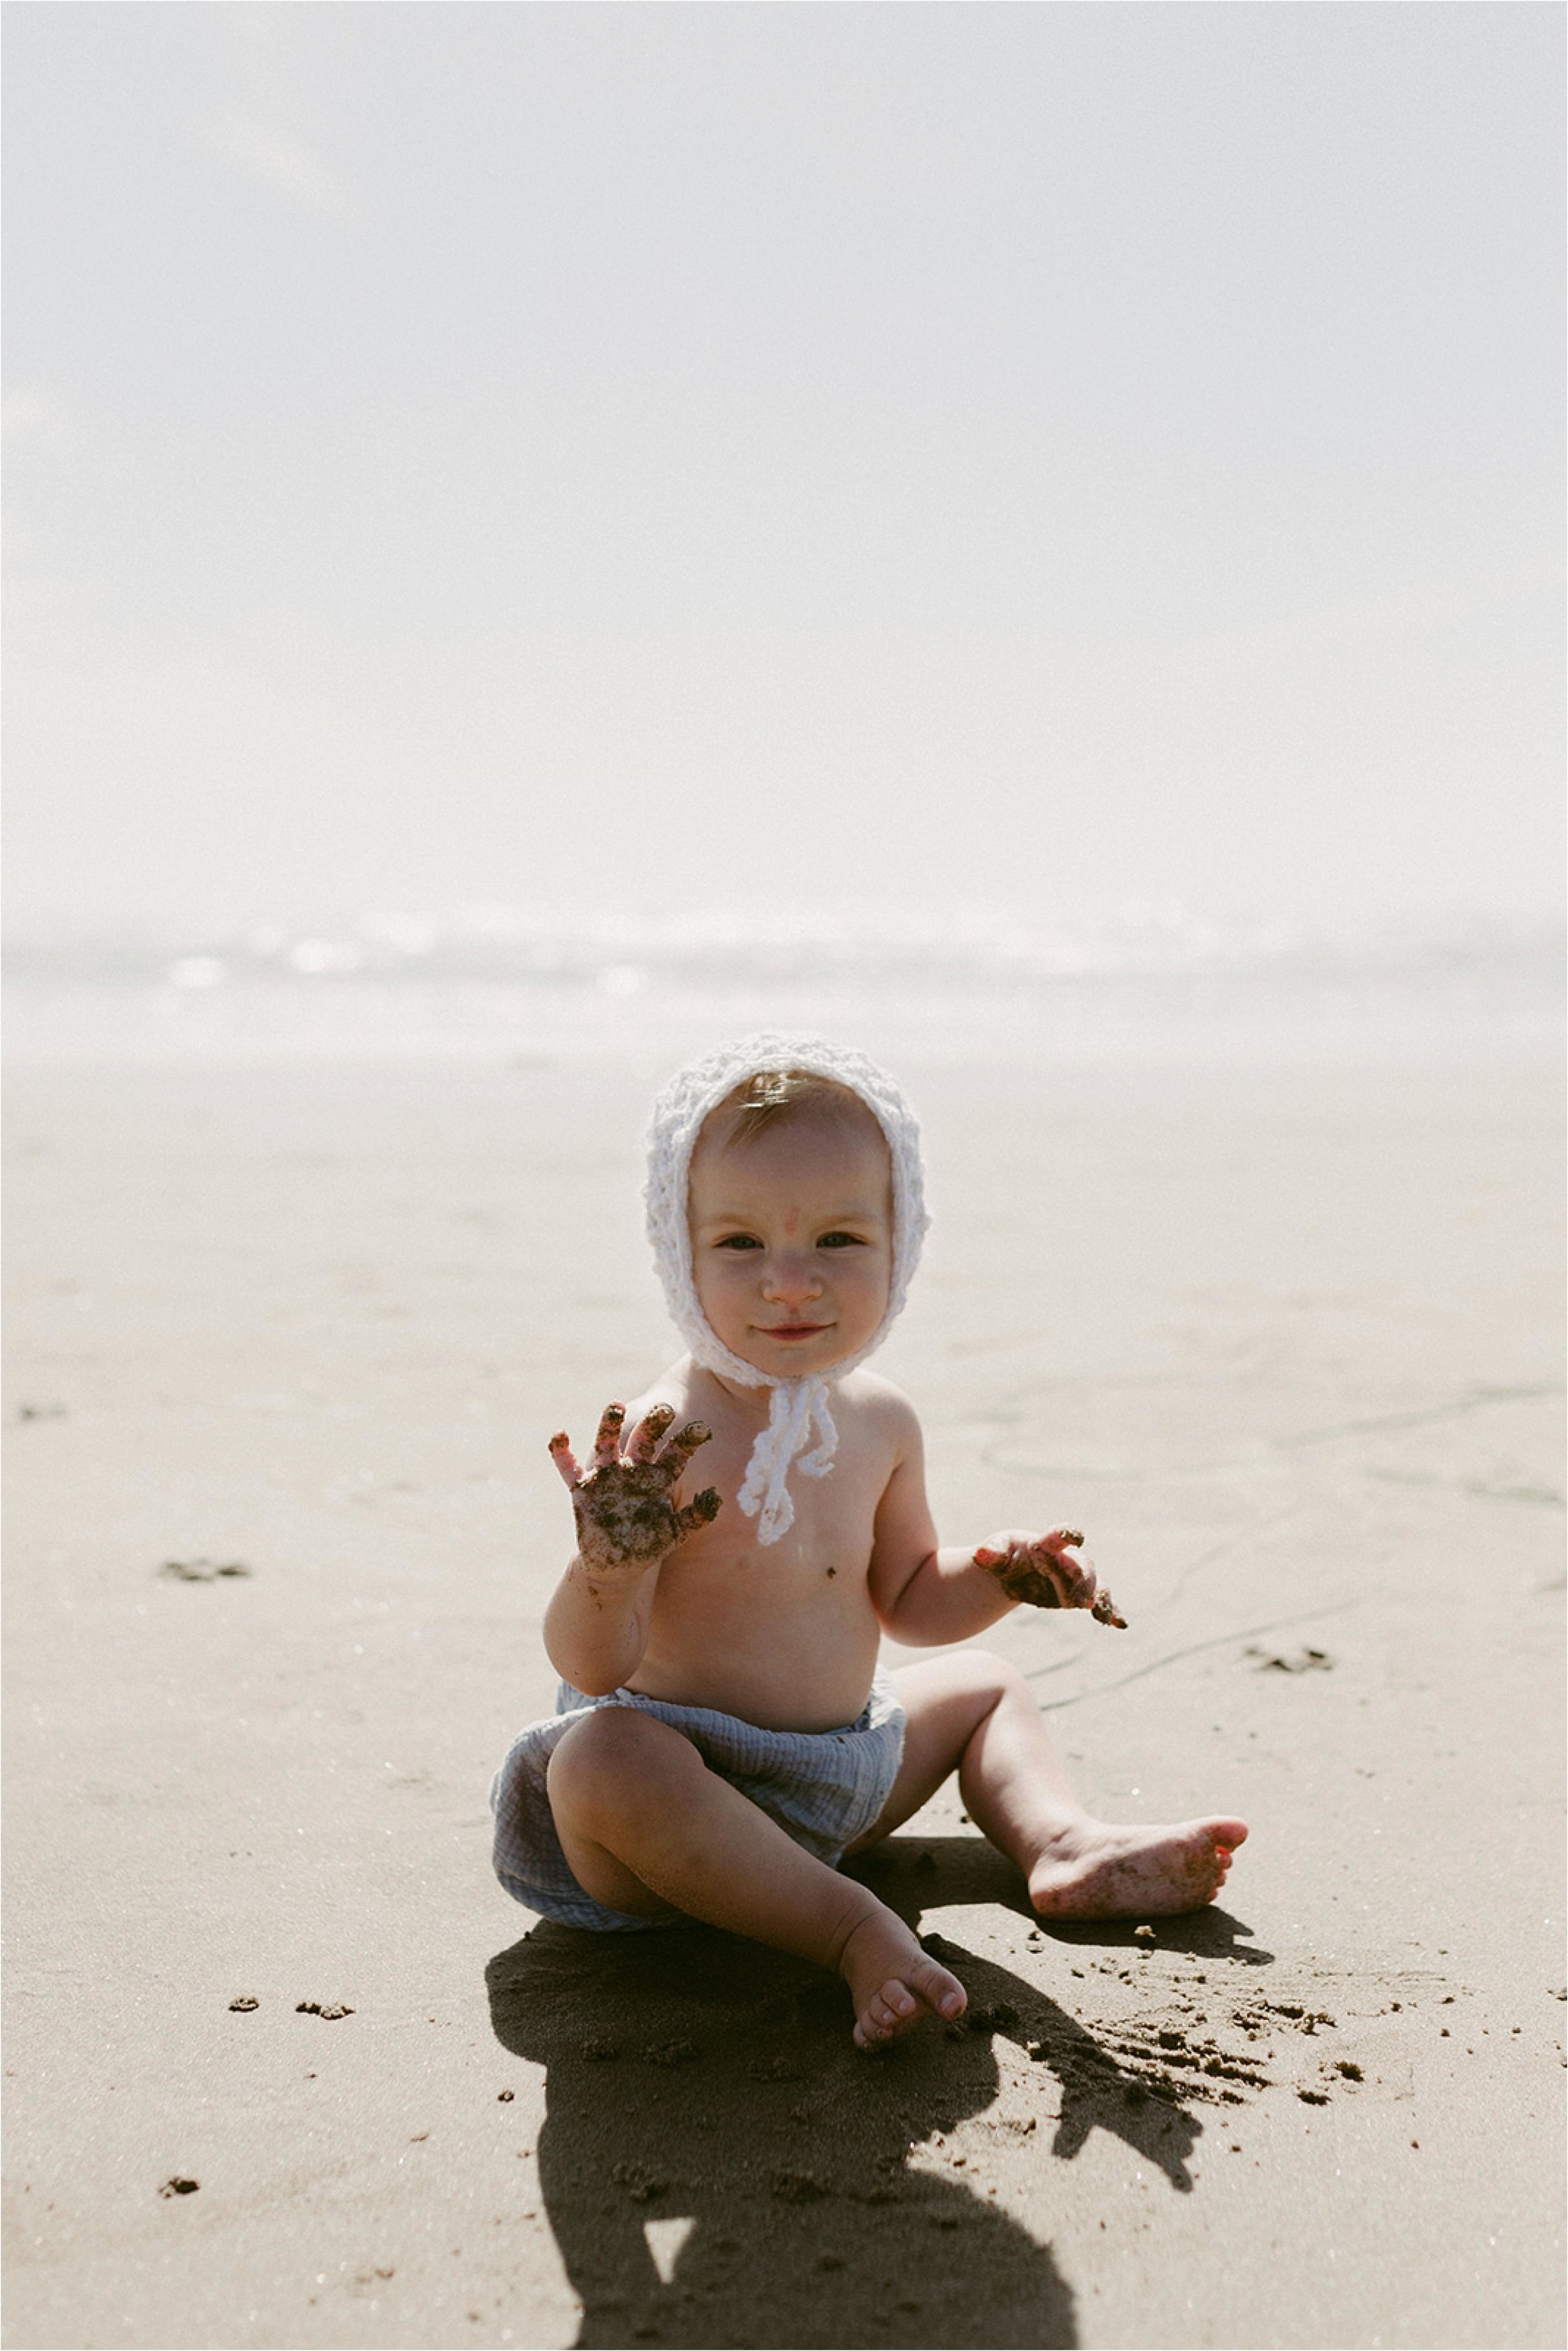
(792, 1238)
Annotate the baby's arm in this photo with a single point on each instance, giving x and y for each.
(596, 1627)
(925, 1594)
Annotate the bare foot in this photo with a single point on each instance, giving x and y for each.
(893, 1982)
(1094, 1870)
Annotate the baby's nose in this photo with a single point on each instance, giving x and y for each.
(791, 1277)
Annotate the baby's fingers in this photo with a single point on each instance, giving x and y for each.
(699, 1512)
(649, 1429)
(1074, 1578)
(1078, 1585)
(682, 1446)
(1077, 1579)
(565, 1460)
(607, 1443)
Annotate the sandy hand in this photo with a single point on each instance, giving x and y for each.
(625, 1518)
(1040, 1572)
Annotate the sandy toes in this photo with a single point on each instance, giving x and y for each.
(893, 1982)
(1095, 1870)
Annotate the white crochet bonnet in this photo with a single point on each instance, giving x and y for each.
(796, 1404)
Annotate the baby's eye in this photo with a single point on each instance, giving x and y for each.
(740, 1241)
(840, 1241)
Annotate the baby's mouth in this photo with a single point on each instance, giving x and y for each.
(792, 1330)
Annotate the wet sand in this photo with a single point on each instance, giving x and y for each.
(1285, 1344)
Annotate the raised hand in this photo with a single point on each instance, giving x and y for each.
(625, 1518)
(1038, 1570)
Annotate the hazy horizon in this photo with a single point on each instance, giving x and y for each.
(808, 464)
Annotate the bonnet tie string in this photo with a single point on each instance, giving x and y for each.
(792, 1407)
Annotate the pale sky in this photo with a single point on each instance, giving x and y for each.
(797, 458)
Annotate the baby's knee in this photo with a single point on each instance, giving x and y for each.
(614, 1752)
(988, 1675)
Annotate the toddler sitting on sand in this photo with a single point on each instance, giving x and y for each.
(724, 1735)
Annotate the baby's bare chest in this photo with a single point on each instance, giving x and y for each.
(834, 1523)
(781, 1633)
(787, 1625)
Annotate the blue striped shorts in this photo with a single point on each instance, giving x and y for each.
(824, 1788)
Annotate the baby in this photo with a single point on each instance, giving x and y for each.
(724, 1735)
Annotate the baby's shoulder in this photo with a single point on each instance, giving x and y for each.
(877, 1405)
(674, 1387)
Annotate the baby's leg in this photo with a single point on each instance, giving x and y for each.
(975, 1711)
(646, 1827)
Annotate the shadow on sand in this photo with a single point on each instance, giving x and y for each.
(710, 2085)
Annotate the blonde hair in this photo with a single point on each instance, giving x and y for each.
(772, 1097)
